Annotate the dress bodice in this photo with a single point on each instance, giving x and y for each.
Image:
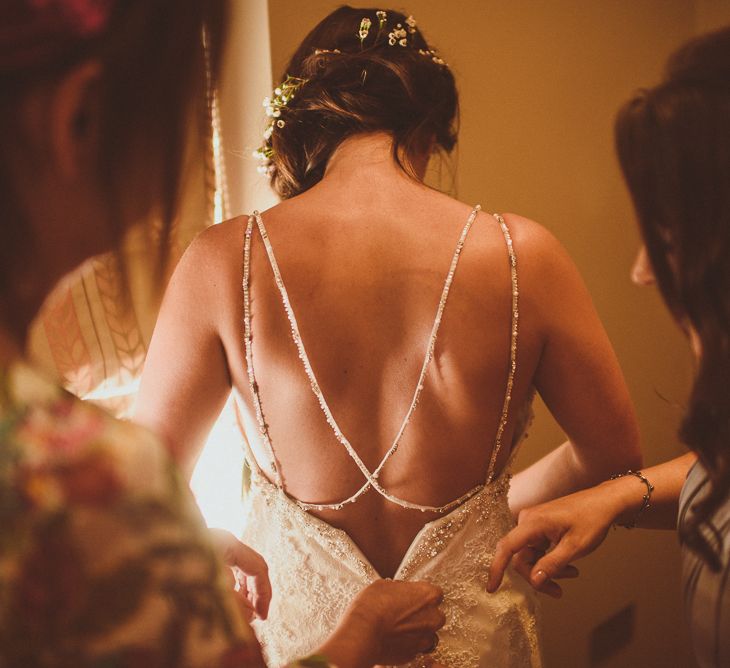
(317, 569)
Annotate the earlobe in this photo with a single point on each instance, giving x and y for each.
(73, 118)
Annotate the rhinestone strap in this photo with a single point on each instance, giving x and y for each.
(512, 347)
(263, 430)
(371, 479)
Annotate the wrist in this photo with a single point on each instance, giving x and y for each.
(627, 496)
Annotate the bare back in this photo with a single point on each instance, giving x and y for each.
(365, 288)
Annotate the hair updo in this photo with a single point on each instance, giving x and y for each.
(353, 85)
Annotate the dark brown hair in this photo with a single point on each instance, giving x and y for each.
(152, 87)
(673, 143)
(355, 86)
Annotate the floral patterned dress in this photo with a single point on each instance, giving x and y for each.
(104, 560)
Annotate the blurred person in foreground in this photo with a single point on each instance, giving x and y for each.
(104, 560)
(673, 143)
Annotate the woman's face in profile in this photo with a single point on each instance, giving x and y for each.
(642, 275)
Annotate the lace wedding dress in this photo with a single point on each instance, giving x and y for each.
(317, 569)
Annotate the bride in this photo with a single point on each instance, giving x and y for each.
(384, 342)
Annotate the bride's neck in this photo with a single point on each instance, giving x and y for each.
(370, 157)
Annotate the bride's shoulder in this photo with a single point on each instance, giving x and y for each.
(535, 242)
(221, 236)
(217, 247)
(545, 266)
(211, 263)
(529, 233)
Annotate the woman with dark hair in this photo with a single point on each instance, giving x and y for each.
(374, 449)
(104, 560)
(673, 143)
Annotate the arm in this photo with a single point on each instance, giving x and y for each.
(186, 380)
(578, 376)
(550, 536)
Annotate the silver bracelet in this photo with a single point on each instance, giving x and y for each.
(646, 499)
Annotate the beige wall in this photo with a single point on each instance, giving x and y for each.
(540, 83)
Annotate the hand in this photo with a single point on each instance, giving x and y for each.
(250, 574)
(388, 622)
(551, 535)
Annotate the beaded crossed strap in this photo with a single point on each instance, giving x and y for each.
(371, 478)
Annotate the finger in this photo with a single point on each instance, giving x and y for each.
(241, 586)
(423, 623)
(414, 642)
(524, 560)
(258, 584)
(502, 557)
(517, 539)
(247, 611)
(555, 561)
(259, 590)
(523, 564)
(230, 579)
(428, 598)
(549, 587)
(432, 594)
(237, 554)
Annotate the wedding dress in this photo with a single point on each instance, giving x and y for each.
(317, 569)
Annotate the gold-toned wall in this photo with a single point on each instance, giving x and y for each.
(540, 83)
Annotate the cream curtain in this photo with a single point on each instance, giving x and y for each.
(96, 347)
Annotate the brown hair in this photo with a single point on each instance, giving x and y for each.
(355, 86)
(673, 143)
(152, 85)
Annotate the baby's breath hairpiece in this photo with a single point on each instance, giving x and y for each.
(398, 35)
(364, 29)
(282, 95)
(382, 19)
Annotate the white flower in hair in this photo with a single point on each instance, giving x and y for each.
(364, 29)
(283, 94)
(398, 35)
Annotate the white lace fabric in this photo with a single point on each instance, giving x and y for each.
(316, 570)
